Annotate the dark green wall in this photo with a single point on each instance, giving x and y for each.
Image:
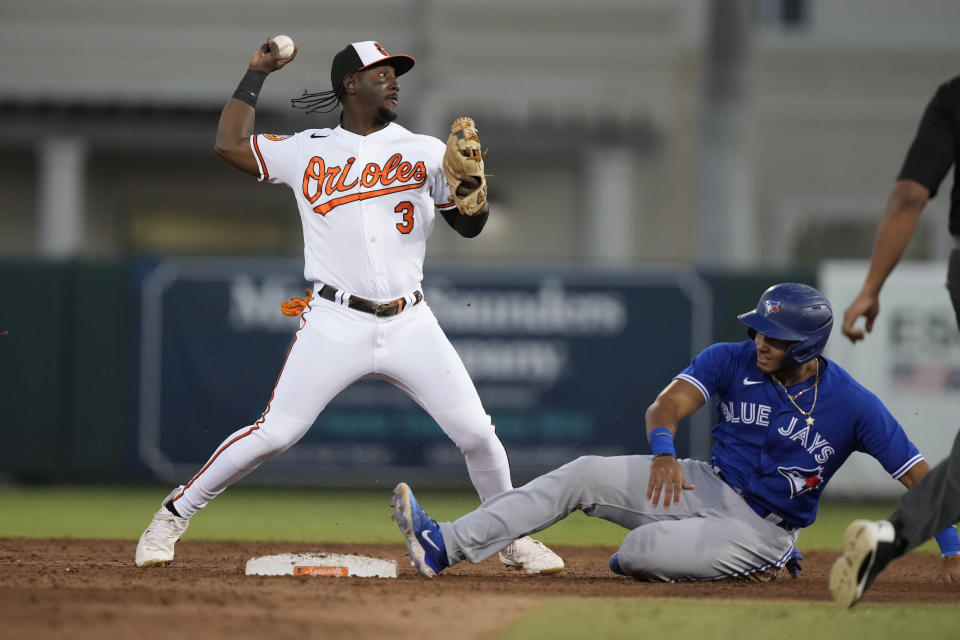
(737, 291)
(63, 362)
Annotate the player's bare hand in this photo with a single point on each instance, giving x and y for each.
(950, 570)
(666, 480)
(267, 57)
(865, 305)
(468, 184)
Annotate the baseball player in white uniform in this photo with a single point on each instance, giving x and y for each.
(367, 191)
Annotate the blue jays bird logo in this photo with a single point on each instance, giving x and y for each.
(801, 480)
(771, 306)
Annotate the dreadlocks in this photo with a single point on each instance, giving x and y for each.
(323, 101)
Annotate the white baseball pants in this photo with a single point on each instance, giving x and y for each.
(336, 346)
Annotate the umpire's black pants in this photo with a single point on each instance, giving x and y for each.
(933, 504)
(953, 279)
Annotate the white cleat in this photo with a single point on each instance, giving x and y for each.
(532, 556)
(156, 543)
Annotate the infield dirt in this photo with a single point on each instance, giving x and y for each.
(86, 589)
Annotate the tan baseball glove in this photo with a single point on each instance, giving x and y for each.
(464, 158)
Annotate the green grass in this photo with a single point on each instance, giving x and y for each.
(316, 515)
(680, 619)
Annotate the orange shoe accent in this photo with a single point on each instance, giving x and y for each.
(296, 305)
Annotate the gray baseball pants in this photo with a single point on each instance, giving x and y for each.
(934, 503)
(712, 533)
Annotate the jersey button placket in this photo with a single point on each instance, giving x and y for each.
(365, 207)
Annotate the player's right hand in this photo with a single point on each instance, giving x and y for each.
(864, 305)
(267, 57)
(666, 478)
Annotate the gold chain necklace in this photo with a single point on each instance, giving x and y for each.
(793, 398)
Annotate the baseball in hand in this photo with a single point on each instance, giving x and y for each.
(284, 46)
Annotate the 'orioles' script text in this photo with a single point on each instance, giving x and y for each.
(395, 175)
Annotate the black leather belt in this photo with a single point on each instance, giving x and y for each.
(379, 309)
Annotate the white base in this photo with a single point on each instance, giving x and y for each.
(321, 564)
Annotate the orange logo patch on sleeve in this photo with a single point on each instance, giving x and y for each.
(275, 137)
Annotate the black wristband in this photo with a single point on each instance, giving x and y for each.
(466, 226)
(249, 88)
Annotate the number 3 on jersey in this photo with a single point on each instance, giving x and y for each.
(405, 208)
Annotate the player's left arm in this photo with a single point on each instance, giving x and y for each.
(464, 179)
(948, 539)
(467, 226)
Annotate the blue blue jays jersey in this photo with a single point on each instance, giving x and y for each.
(763, 445)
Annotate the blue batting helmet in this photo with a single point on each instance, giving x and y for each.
(794, 312)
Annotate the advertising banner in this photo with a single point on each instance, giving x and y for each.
(911, 361)
(565, 361)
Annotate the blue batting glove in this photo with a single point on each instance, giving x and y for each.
(793, 563)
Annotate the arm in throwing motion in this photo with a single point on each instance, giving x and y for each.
(237, 118)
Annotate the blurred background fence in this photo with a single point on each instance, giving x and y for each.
(656, 164)
(137, 370)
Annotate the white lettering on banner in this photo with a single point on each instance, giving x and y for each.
(925, 345)
(551, 309)
(257, 306)
(537, 361)
(925, 331)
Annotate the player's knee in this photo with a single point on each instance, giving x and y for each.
(637, 569)
(471, 431)
(637, 557)
(478, 441)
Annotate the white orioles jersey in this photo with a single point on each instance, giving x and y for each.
(367, 203)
